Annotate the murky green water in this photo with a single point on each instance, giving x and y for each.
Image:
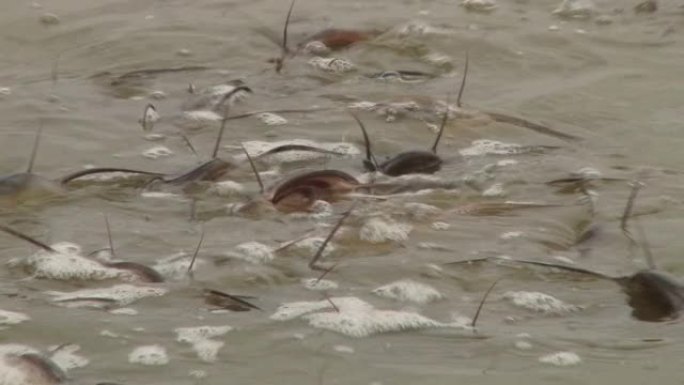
(614, 85)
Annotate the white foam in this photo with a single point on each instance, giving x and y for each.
(511, 235)
(16, 349)
(440, 226)
(202, 116)
(201, 340)
(157, 152)
(343, 349)
(12, 318)
(421, 28)
(310, 245)
(490, 147)
(252, 252)
(67, 264)
(149, 355)
(176, 266)
(479, 5)
(271, 119)
(256, 148)
(315, 284)
(356, 318)
(421, 211)
(121, 295)
(124, 311)
(561, 359)
(409, 291)
(379, 230)
(506, 162)
(539, 302)
(331, 64)
(5, 91)
(162, 195)
(66, 358)
(227, 188)
(495, 190)
(576, 9)
(523, 345)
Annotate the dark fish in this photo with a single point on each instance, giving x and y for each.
(653, 295)
(409, 162)
(145, 273)
(228, 301)
(416, 161)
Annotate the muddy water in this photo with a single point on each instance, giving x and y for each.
(610, 80)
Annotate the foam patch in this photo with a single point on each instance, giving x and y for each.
(561, 359)
(409, 291)
(66, 358)
(12, 318)
(491, 147)
(309, 246)
(539, 302)
(201, 340)
(357, 318)
(479, 5)
(380, 230)
(332, 64)
(315, 284)
(157, 152)
(67, 264)
(271, 119)
(227, 188)
(149, 355)
(176, 266)
(252, 252)
(575, 9)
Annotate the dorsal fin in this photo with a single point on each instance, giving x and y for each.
(214, 153)
(109, 236)
(27, 238)
(197, 249)
(189, 144)
(319, 252)
(34, 151)
(463, 81)
(297, 147)
(253, 166)
(445, 118)
(369, 153)
(284, 50)
(482, 302)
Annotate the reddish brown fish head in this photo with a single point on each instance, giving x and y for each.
(297, 199)
(336, 39)
(328, 184)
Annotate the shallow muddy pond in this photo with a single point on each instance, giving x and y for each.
(565, 104)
